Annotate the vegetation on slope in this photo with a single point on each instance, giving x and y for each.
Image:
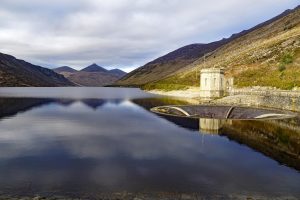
(286, 76)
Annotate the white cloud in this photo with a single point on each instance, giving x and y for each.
(121, 33)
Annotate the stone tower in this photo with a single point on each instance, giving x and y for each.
(212, 83)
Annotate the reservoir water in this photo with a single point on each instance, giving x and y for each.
(105, 143)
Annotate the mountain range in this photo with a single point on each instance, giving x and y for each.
(92, 75)
(266, 55)
(19, 73)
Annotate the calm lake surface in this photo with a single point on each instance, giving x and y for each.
(104, 142)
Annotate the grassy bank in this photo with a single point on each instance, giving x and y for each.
(164, 87)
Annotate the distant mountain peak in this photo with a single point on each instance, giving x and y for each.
(94, 68)
(64, 69)
(94, 65)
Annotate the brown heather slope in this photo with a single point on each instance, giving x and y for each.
(267, 55)
(17, 73)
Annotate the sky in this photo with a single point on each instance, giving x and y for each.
(121, 34)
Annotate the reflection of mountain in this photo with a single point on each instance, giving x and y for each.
(97, 103)
(94, 103)
(64, 102)
(12, 106)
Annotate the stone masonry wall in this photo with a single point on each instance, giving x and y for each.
(286, 100)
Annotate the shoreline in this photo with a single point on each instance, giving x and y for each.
(191, 93)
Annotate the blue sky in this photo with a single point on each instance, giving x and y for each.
(121, 33)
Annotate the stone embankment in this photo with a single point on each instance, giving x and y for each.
(279, 99)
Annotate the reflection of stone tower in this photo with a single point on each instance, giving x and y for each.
(212, 83)
(210, 126)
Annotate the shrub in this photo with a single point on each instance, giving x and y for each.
(281, 68)
(286, 59)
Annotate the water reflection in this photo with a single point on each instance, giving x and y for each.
(278, 139)
(211, 126)
(87, 147)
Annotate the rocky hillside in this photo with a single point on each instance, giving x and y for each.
(19, 73)
(267, 55)
(92, 75)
